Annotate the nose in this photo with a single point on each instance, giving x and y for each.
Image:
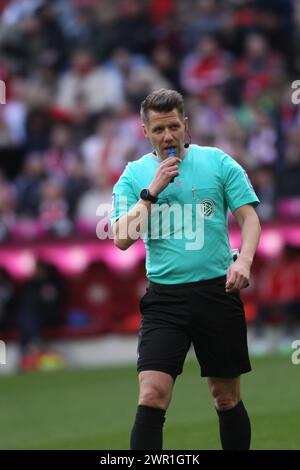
(168, 136)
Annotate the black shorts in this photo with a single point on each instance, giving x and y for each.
(199, 313)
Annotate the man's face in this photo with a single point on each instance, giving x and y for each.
(166, 130)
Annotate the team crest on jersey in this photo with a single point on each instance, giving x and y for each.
(207, 208)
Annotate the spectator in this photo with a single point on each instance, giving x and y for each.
(259, 66)
(64, 64)
(138, 75)
(76, 185)
(38, 125)
(106, 149)
(14, 111)
(8, 202)
(54, 210)
(17, 10)
(262, 145)
(134, 29)
(7, 300)
(290, 176)
(204, 19)
(40, 305)
(100, 87)
(28, 185)
(41, 82)
(89, 202)
(5, 137)
(264, 182)
(204, 68)
(60, 154)
(167, 64)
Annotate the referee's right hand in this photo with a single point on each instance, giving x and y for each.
(166, 171)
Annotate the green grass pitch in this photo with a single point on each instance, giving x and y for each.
(94, 409)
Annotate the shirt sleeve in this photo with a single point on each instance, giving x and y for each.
(123, 196)
(237, 186)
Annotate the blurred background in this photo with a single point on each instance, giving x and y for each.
(75, 72)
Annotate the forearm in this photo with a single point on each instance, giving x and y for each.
(238, 274)
(129, 228)
(250, 234)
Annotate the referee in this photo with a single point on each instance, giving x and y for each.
(193, 294)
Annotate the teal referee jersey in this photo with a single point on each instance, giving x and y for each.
(187, 235)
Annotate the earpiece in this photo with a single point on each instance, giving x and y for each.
(187, 144)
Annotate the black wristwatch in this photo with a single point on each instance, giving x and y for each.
(147, 196)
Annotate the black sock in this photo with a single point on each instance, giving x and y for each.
(147, 432)
(235, 429)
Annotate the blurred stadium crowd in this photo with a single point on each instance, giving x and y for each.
(75, 72)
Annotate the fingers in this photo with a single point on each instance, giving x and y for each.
(239, 283)
(174, 172)
(230, 282)
(170, 161)
(173, 169)
(169, 167)
(166, 171)
(235, 281)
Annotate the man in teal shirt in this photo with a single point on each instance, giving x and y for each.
(177, 198)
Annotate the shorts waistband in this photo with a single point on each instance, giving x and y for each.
(205, 282)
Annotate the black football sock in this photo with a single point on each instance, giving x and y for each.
(147, 431)
(235, 429)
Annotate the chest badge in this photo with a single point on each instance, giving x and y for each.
(207, 208)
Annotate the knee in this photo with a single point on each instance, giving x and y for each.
(224, 400)
(154, 396)
(225, 403)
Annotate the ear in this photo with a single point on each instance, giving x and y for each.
(186, 123)
(145, 131)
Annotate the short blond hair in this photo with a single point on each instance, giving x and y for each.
(162, 101)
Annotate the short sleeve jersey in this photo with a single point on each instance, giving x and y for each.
(187, 235)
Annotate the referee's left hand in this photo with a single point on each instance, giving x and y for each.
(238, 275)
